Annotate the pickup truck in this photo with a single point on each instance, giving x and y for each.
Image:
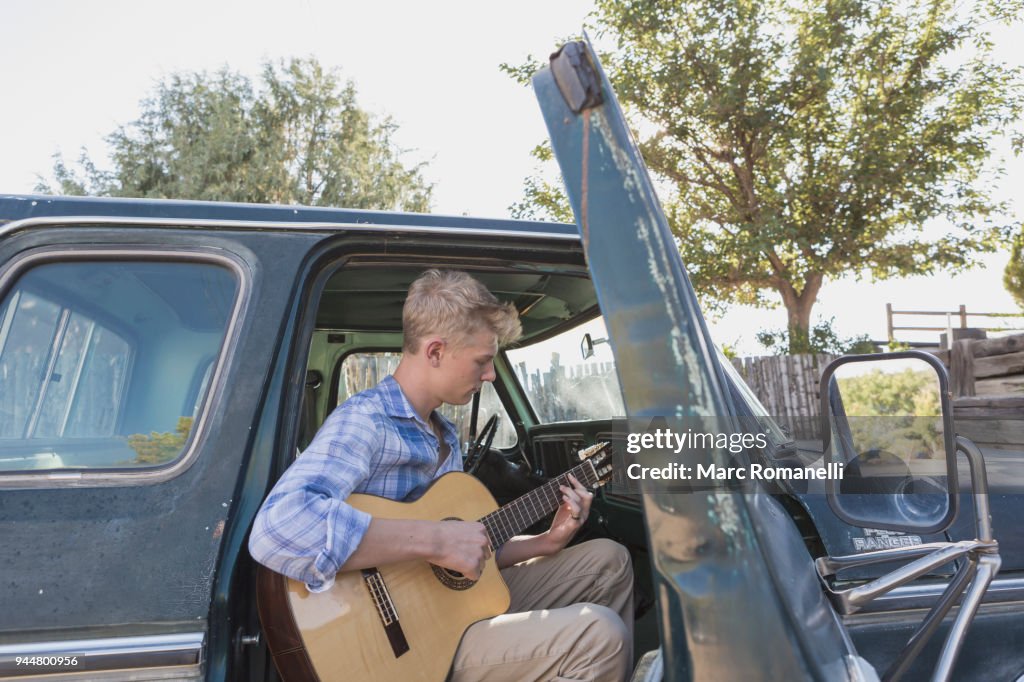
(162, 362)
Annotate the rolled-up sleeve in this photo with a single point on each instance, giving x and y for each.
(305, 529)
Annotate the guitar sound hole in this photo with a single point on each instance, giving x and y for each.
(452, 579)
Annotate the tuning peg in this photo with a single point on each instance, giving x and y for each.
(593, 450)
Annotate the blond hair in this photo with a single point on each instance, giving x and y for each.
(455, 306)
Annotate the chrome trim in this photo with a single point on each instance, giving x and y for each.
(988, 566)
(979, 488)
(909, 597)
(932, 621)
(276, 225)
(172, 673)
(855, 598)
(122, 657)
(830, 565)
(107, 645)
(84, 477)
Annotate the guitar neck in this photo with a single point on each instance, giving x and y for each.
(523, 512)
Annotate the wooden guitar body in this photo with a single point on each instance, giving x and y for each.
(399, 622)
(403, 622)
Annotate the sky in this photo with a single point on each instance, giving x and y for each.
(75, 70)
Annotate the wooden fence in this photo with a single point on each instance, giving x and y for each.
(787, 385)
(987, 380)
(993, 422)
(990, 367)
(960, 316)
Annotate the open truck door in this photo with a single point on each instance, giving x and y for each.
(739, 595)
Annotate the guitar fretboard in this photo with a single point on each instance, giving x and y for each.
(525, 511)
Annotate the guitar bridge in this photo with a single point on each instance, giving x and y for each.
(386, 610)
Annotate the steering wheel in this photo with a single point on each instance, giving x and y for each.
(481, 444)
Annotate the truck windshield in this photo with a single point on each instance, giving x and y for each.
(563, 386)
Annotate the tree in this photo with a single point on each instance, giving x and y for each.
(822, 338)
(1013, 275)
(157, 448)
(896, 412)
(297, 136)
(879, 394)
(811, 139)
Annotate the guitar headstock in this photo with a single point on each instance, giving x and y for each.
(600, 456)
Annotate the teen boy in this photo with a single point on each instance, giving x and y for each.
(572, 609)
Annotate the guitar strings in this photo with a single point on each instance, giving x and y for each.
(500, 529)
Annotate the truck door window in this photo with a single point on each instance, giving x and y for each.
(98, 361)
(360, 371)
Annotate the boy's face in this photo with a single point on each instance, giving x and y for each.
(467, 366)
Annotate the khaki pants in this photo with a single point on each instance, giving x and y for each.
(571, 618)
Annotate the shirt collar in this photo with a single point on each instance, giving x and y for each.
(397, 405)
(395, 402)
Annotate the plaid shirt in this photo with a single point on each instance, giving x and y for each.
(373, 443)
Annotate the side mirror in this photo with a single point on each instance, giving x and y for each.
(587, 345)
(887, 419)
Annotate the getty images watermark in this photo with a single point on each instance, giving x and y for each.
(687, 454)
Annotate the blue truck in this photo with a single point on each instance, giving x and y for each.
(162, 362)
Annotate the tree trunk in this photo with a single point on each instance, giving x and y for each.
(798, 312)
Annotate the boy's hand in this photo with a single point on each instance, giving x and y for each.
(462, 546)
(571, 514)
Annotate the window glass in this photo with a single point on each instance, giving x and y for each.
(28, 328)
(563, 386)
(360, 371)
(762, 420)
(98, 359)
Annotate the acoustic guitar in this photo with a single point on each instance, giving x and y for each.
(404, 621)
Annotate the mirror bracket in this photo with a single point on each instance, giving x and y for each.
(970, 581)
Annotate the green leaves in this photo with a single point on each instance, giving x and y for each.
(813, 139)
(296, 136)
